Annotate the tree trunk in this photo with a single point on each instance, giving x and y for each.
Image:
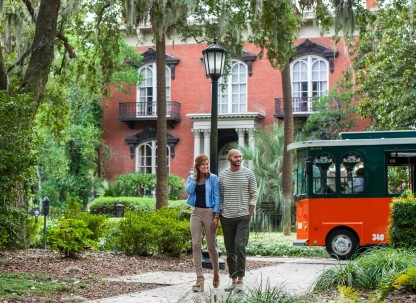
(3, 74)
(287, 156)
(42, 50)
(162, 165)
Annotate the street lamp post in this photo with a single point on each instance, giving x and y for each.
(214, 60)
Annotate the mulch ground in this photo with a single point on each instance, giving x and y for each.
(83, 278)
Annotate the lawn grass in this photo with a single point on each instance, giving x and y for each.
(16, 286)
(275, 244)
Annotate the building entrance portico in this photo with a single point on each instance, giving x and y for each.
(232, 128)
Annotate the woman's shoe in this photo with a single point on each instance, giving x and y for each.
(216, 280)
(199, 285)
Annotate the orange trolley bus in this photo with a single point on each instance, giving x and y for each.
(344, 188)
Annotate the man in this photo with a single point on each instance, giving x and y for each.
(238, 188)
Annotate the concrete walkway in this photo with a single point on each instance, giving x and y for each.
(296, 275)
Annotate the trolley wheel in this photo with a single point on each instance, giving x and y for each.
(341, 244)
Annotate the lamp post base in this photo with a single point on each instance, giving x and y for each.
(206, 261)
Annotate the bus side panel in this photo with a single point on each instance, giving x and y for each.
(368, 217)
(302, 220)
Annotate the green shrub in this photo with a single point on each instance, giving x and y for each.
(367, 271)
(147, 233)
(70, 237)
(16, 230)
(142, 185)
(108, 242)
(402, 228)
(138, 233)
(175, 234)
(76, 231)
(107, 205)
(136, 185)
(177, 187)
(95, 223)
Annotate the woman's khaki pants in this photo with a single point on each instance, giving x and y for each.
(201, 218)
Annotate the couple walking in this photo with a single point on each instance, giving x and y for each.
(231, 198)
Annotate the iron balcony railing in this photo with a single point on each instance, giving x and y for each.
(302, 106)
(136, 111)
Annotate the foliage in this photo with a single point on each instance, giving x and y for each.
(402, 225)
(384, 64)
(367, 271)
(87, 55)
(76, 231)
(108, 241)
(333, 113)
(69, 163)
(107, 205)
(147, 233)
(175, 234)
(143, 185)
(267, 159)
(348, 295)
(268, 19)
(403, 281)
(18, 140)
(17, 227)
(263, 292)
(70, 237)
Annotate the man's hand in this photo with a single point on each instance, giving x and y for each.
(251, 210)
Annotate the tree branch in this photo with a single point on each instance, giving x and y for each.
(100, 15)
(30, 8)
(68, 47)
(19, 62)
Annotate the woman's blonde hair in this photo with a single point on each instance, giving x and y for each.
(198, 162)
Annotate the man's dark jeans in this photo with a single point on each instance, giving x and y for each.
(236, 232)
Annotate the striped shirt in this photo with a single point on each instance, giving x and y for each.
(238, 191)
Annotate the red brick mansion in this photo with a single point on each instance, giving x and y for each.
(251, 100)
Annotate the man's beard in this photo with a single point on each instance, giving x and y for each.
(235, 163)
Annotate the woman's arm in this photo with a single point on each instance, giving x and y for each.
(191, 184)
(216, 194)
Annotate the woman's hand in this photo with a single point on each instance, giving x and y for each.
(214, 224)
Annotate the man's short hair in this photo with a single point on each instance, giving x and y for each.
(232, 152)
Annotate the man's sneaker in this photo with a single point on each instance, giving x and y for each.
(230, 288)
(239, 288)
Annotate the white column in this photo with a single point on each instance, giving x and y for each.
(207, 139)
(240, 132)
(197, 142)
(251, 137)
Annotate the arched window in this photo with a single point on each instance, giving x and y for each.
(146, 157)
(324, 174)
(146, 91)
(352, 173)
(309, 79)
(232, 96)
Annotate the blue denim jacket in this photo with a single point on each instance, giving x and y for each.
(212, 192)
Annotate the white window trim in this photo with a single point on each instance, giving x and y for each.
(154, 84)
(309, 66)
(230, 86)
(153, 144)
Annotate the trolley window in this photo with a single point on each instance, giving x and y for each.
(323, 170)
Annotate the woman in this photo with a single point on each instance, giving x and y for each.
(204, 195)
